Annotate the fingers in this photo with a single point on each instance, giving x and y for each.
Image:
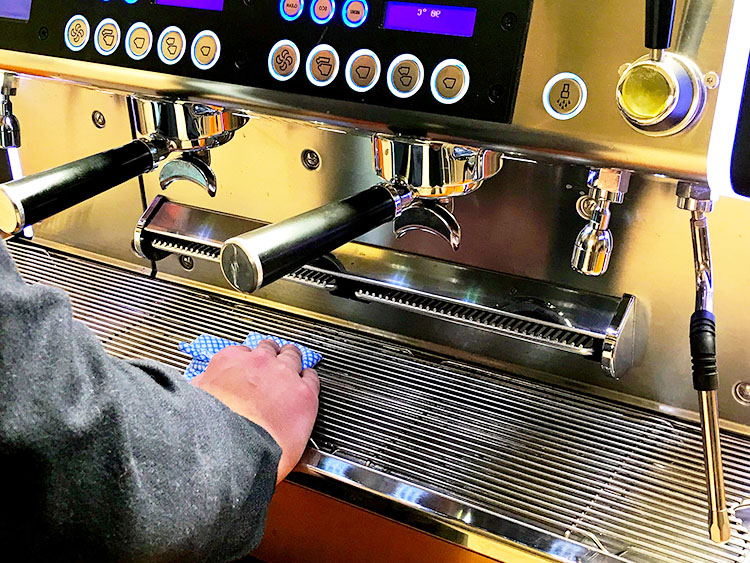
(291, 357)
(310, 378)
(268, 348)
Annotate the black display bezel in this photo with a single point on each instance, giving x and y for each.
(740, 164)
(248, 31)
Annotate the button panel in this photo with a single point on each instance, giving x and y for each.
(138, 41)
(322, 65)
(405, 76)
(224, 45)
(283, 60)
(107, 37)
(171, 45)
(450, 81)
(362, 70)
(564, 96)
(77, 33)
(206, 50)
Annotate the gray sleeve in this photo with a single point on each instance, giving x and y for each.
(107, 460)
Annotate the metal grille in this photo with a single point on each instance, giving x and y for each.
(568, 340)
(625, 480)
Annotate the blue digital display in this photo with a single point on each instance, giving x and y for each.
(430, 18)
(217, 5)
(15, 9)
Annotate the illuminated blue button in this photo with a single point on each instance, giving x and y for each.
(77, 33)
(138, 41)
(107, 37)
(283, 60)
(206, 50)
(354, 12)
(322, 11)
(564, 96)
(291, 9)
(322, 65)
(405, 76)
(362, 70)
(171, 45)
(450, 81)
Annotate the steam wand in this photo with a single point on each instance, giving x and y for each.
(696, 199)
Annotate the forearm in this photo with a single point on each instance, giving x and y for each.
(117, 460)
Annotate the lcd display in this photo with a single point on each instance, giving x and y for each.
(430, 18)
(15, 9)
(217, 5)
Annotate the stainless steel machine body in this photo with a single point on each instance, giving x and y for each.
(569, 425)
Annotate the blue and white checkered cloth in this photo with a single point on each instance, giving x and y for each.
(203, 348)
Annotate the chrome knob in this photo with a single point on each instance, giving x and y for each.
(593, 245)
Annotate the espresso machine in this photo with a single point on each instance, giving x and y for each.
(481, 213)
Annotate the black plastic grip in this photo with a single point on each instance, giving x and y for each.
(257, 258)
(659, 22)
(703, 351)
(42, 195)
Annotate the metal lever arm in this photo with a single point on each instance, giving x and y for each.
(659, 21)
(39, 196)
(706, 378)
(257, 258)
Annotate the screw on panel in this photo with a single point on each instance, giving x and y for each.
(509, 21)
(310, 159)
(496, 93)
(99, 120)
(43, 33)
(711, 80)
(742, 392)
(187, 262)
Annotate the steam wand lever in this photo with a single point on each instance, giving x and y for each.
(696, 199)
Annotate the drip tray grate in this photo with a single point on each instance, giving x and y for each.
(625, 481)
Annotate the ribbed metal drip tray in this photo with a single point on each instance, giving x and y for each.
(626, 481)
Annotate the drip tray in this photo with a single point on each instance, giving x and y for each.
(443, 446)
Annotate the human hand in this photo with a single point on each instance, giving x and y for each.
(267, 386)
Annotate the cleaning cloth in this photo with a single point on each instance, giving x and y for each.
(203, 348)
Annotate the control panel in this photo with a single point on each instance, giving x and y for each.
(450, 57)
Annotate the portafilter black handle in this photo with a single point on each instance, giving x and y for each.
(255, 259)
(39, 196)
(659, 21)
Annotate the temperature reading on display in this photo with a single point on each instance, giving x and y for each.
(430, 18)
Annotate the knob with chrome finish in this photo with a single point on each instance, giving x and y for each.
(593, 245)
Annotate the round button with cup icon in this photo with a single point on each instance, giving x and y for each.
(171, 45)
(322, 65)
(362, 70)
(450, 81)
(206, 49)
(138, 41)
(405, 76)
(107, 37)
